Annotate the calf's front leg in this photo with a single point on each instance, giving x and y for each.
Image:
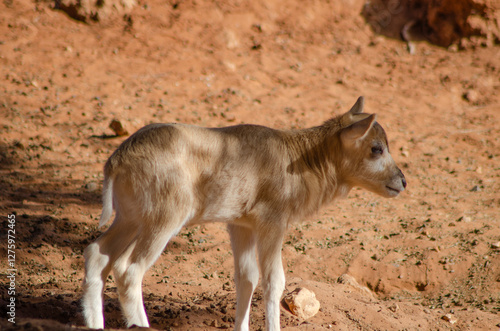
(246, 272)
(273, 277)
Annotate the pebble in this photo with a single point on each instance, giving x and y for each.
(449, 318)
(232, 40)
(117, 127)
(394, 307)
(496, 245)
(404, 151)
(476, 188)
(471, 96)
(91, 187)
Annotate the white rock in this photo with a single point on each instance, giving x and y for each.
(302, 303)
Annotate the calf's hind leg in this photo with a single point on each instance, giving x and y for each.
(99, 259)
(130, 267)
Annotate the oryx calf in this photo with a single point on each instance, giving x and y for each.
(256, 179)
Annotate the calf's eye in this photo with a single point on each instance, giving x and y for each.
(377, 150)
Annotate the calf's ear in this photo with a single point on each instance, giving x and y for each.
(358, 106)
(358, 130)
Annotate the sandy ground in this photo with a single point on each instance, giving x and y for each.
(430, 258)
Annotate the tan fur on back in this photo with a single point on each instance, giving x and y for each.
(230, 172)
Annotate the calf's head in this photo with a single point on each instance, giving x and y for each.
(366, 161)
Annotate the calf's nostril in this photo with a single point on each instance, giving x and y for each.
(403, 179)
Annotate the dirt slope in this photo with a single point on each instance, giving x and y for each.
(432, 251)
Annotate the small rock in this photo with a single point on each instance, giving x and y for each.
(496, 245)
(117, 127)
(471, 96)
(91, 187)
(351, 281)
(449, 318)
(19, 145)
(302, 303)
(404, 151)
(230, 65)
(475, 189)
(232, 41)
(394, 308)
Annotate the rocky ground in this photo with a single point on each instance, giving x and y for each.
(429, 259)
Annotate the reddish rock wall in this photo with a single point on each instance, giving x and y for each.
(442, 22)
